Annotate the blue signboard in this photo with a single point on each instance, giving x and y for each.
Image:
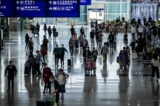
(39, 8)
(85, 2)
(7, 8)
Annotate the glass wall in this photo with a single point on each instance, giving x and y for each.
(114, 10)
(83, 16)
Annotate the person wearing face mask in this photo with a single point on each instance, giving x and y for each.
(46, 76)
(94, 54)
(84, 44)
(62, 53)
(56, 53)
(71, 45)
(54, 86)
(12, 71)
(87, 54)
(38, 62)
(61, 78)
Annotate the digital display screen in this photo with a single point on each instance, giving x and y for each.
(144, 8)
(39, 8)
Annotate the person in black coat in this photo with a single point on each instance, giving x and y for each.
(56, 89)
(92, 33)
(12, 71)
(26, 40)
(111, 39)
(54, 32)
(87, 54)
(72, 31)
(56, 52)
(49, 32)
(133, 44)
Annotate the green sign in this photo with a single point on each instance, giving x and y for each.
(2, 23)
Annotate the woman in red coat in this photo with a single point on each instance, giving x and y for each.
(46, 76)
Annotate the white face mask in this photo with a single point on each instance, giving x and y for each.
(87, 49)
(45, 66)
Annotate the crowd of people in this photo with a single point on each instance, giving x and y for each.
(144, 42)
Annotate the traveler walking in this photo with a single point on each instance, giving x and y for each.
(62, 77)
(155, 64)
(104, 52)
(62, 53)
(46, 76)
(38, 62)
(26, 40)
(12, 71)
(56, 53)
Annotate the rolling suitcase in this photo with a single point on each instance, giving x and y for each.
(93, 64)
(69, 62)
(107, 44)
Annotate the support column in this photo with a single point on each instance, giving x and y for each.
(1, 33)
(21, 24)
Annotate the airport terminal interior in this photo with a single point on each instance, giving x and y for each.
(111, 86)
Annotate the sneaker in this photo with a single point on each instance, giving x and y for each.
(34, 75)
(62, 97)
(40, 75)
(43, 92)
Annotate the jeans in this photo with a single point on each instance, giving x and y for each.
(62, 59)
(38, 68)
(10, 78)
(133, 35)
(99, 44)
(111, 44)
(56, 59)
(31, 49)
(71, 48)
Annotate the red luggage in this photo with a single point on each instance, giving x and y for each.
(93, 64)
(88, 64)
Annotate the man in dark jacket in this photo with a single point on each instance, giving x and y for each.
(87, 54)
(12, 71)
(38, 28)
(62, 53)
(111, 39)
(56, 53)
(72, 31)
(27, 40)
(92, 33)
(45, 42)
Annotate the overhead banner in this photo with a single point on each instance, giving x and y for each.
(39, 8)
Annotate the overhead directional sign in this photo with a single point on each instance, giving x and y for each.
(85, 2)
(39, 8)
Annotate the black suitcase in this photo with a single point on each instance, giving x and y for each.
(114, 44)
(76, 44)
(69, 62)
(44, 103)
(107, 44)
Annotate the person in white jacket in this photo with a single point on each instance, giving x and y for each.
(140, 31)
(133, 31)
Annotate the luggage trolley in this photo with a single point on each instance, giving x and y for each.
(90, 65)
(50, 98)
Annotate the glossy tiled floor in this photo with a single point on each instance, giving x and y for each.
(110, 87)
